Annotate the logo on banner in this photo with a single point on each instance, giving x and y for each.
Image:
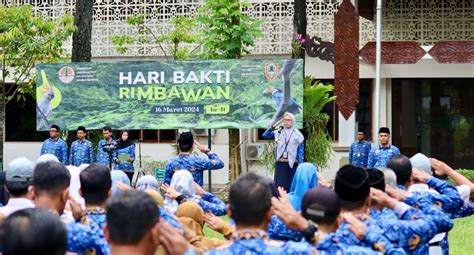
(271, 70)
(66, 74)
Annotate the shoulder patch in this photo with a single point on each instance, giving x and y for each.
(413, 242)
(379, 246)
(439, 204)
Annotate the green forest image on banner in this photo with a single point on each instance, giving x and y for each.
(243, 93)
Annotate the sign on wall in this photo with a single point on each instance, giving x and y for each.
(243, 93)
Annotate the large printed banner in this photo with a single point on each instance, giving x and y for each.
(244, 93)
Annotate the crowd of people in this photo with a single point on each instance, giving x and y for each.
(397, 206)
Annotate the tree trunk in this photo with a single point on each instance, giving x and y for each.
(299, 22)
(235, 156)
(81, 39)
(235, 167)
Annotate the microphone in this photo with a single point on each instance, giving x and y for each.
(280, 129)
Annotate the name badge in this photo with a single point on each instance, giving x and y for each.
(285, 154)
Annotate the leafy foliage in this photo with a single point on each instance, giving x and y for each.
(228, 32)
(318, 145)
(173, 40)
(28, 39)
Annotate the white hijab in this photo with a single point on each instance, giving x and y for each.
(75, 184)
(291, 135)
(183, 182)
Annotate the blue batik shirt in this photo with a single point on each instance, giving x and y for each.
(126, 166)
(379, 156)
(359, 153)
(374, 237)
(257, 242)
(82, 152)
(210, 203)
(270, 134)
(57, 147)
(194, 164)
(277, 230)
(103, 156)
(410, 228)
(330, 245)
(87, 236)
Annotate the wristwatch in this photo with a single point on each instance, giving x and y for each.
(309, 232)
(207, 151)
(181, 199)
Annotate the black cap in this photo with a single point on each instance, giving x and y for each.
(186, 140)
(376, 179)
(352, 183)
(55, 127)
(384, 130)
(81, 128)
(320, 203)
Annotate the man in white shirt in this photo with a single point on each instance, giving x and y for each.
(19, 180)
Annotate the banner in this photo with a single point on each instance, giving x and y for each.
(243, 93)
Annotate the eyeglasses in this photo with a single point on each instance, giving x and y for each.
(287, 119)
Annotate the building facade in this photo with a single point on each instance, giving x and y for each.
(427, 103)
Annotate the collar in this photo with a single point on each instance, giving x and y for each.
(247, 234)
(182, 154)
(54, 140)
(386, 147)
(19, 201)
(94, 211)
(83, 141)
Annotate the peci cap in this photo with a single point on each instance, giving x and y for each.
(81, 128)
(186, 140)
(376, 178)
(19, 170)
(384, 130)
(352, 183)
(55, 127)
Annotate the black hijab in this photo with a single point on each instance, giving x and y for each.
(121, 143)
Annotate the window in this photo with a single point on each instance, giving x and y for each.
(434, 117)
(364, 109)
(20, 123)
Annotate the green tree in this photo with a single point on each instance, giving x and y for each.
(173, 40)
(318, 145)
(227, 31)
(27, 39)
(227, 34)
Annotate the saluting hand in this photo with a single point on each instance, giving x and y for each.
(355, 225)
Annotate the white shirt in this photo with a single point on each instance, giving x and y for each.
(16, 204)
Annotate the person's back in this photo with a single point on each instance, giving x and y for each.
(185, 160)
(87, 235)
(33, 231)
(19, 180)
(249, 206)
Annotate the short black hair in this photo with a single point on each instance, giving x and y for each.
(107, 128)
(33, 231)
(402, 168)
(95, 183)
(130, 215)
(249, 199)
(51, 177)
(18, 189)
(361, 131)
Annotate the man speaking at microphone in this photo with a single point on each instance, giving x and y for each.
(290, 150)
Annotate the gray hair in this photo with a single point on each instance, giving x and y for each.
(390, 177)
